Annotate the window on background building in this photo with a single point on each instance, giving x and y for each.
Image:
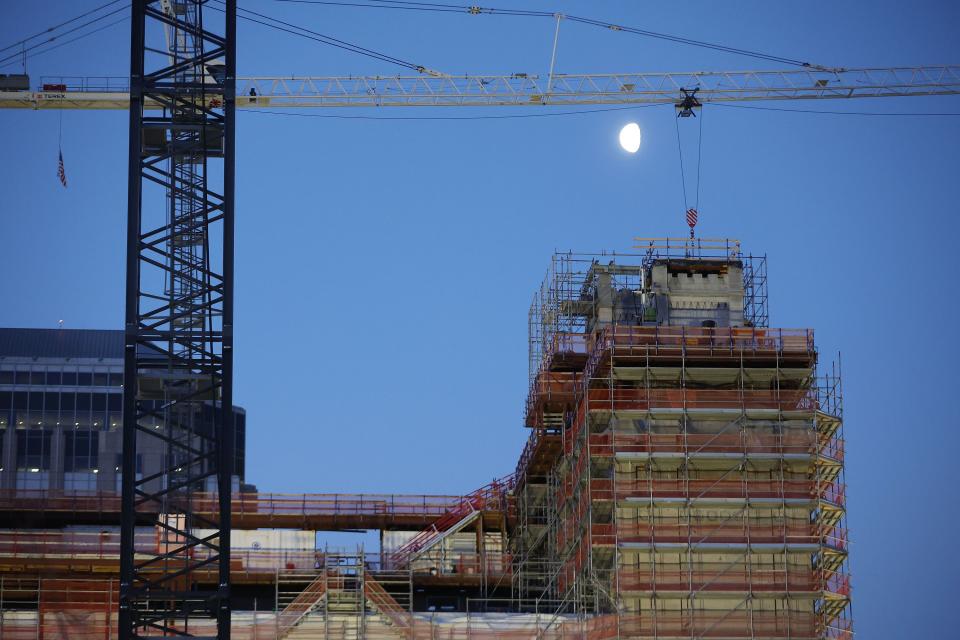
(119, 467)
(115, 410)
(68, 408)
(80, 460)
(51, 403)
(33, 458)
(20, 401)
(98, 402)
(82, 417)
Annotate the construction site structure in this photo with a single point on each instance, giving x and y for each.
(684, 471)
(683, 478)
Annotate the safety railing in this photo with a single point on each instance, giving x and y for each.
(88, 609)
(537, 438)
(53, 547)
(699, 340)
(711, 339)
(463, 564)
(491, 497)
(723, 577)
(260, 506)
(100, 84)
(832, 449)
(835, 538)
(330, 504)
(655, 341)
(736, 489)
(607, 444)
(706, 531)
(719, 578)
(704, 623)
(63, 544)
(550, 387)
(577, 344)
(643, 399)
(836, 582)
(840, 628)
(835, 493)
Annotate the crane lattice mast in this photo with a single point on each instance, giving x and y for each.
(178, 336)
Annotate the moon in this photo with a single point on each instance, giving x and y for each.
(630, 137)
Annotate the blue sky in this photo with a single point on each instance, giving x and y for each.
(385, 267)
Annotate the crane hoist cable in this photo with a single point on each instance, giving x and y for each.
(692, 213)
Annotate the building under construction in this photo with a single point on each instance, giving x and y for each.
(683, 478)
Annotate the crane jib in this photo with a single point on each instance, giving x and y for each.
(268, 92)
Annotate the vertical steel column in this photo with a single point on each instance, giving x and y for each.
(178, 349)
(227, 432)
(134, 190)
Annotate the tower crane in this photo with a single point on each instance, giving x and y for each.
(181, 96)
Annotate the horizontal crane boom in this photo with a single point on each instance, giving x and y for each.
(520, 89)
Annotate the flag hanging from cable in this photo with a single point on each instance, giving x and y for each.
(60, 172)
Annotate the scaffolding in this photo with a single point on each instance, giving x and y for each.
(699, 488)
(557, 318)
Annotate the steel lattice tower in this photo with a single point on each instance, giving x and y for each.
(179, 316)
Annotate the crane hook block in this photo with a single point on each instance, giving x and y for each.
(688, 103)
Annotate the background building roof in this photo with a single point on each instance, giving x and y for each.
(61, 343)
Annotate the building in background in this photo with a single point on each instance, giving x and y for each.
(61, 394)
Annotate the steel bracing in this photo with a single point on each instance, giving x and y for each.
(179, 315)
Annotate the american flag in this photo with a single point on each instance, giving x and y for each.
(60, 172)
(692, 217)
